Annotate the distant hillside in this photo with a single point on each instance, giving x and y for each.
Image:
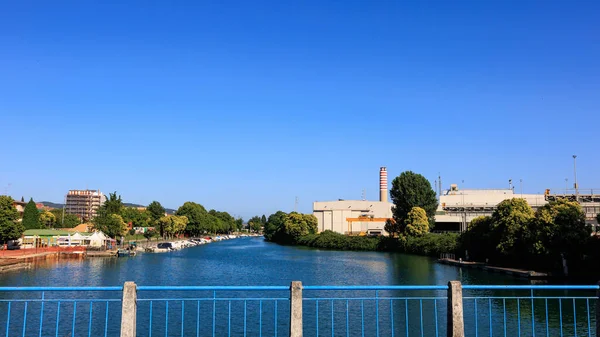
(51, 204)
(57, 205)
(168, 210)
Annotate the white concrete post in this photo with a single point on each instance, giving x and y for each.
(456, 325)
(128, 311)
(296, 309)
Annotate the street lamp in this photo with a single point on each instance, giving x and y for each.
(521, 181)
(575, 172)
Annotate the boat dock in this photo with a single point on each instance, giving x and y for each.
(528, 274)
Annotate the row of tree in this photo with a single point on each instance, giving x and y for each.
(553, 237)
(191, 219)
(257, 223)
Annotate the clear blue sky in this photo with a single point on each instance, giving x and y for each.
(244, 105)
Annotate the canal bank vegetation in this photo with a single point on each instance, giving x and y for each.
(555, 238)
(191, 219)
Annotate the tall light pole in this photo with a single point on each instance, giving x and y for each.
(521, 181)
(575, 172)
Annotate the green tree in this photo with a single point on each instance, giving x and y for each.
(410, 190)
(416, 223)
(255, 224)
(165, 226)
(275, 226)
(239, 224)
(509, 223)
(197, 218)
(10, 227)
(561, 231)
(263, 219)
(136, 217)
(179, 222)
(110, 224)
(47, 219)
(477, 241)
(114, 204)
(31, 216)
(70, 220)
(392, 227)
(227, 222)
(149, 234)
(297, 225)
(156, 210)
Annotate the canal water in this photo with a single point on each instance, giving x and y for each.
(254, 262)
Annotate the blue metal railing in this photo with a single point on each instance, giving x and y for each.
(529, 310)
(375, 310)
(489, 310)
(213, 311)
(60, 311)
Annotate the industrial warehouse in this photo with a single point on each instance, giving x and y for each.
(456, 208)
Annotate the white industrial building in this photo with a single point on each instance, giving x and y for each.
(356, 217)
(458, 207)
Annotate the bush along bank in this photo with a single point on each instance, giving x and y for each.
(514, 236)
(429, 244)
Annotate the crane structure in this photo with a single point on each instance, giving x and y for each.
(363, 219)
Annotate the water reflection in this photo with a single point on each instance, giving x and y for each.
(249, 261)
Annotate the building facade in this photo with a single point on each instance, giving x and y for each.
(356, 217)
(458, 207)
(84, 203)
(352, 217)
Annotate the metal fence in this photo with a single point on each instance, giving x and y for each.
(530, 310)
(453, 310)
(60, 311)
(213, 311)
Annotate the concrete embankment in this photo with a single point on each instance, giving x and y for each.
(528, 274)
(26, 260)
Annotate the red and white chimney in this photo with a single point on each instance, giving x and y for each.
(383, 185)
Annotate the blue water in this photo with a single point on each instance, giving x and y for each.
(254, 262)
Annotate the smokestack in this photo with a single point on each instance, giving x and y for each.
(383, 185)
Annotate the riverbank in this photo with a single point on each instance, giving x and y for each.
(520, 273)
(432, 245)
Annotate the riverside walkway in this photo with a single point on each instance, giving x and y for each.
(295, 310)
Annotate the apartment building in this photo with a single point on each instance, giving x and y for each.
(84, 203)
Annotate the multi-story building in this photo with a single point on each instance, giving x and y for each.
(84, 203)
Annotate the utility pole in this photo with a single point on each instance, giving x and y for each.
(296, 205)
(575, 172)
(566, 186)
(521, 181)
(440, 182)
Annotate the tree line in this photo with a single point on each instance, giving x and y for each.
(191, 219)
(555, 237)
(112, 218)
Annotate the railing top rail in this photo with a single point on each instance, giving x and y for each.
(61, 289)
(308, 287)
(530, 287)
(222, 288)
(381, 287)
